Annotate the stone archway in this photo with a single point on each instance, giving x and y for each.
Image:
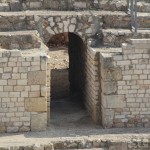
(87, 28)
(68, 84)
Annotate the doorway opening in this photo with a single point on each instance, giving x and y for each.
(67, 73)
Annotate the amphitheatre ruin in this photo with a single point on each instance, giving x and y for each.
(74, 62)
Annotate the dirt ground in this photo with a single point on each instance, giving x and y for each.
(59, 58)
(67, 112)
(69, 109)
(70, 113)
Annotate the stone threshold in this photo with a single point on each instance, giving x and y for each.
(129, 138)
(69, 13)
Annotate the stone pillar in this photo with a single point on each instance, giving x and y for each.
(109, 98)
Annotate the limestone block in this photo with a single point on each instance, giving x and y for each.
(38, 147)
(15, 53)
(71, 28)
(36, 104)
(128, 48)
(52, 24)
(108, 87)
(34, 94)
(2, 129)
(74, 20)
(43, 91)
(15, 6)
(39, 122)
(113, 101)
(49, 146)
(7, 54)
(49, 30)
(107, 117)
(4, 7)
(36, 77)
(6, 76)
(35, 5)
(50, 19)
(106, 60)
(36, 18)
(111, 74)
(66, 24)
(44, 59)
(80, 5)
(24, 129)
(12, 129)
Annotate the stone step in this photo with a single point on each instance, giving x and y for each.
(21, 40)
(65, 138)
(123, 20)
(8, 1)
(142, 6)
(88, 149)
(115, 37)
(75, 5)
(10, 5)
(28, 20)
(31, 32)
(113, 5)
(4, 7)
(108, 49)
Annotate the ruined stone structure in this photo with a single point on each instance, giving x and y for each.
(112, 78)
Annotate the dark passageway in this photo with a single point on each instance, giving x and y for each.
(68, 110)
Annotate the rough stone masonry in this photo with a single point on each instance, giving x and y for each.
(117, 81)
(23, 100)
(125, 85)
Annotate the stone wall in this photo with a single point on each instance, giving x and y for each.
(92, 85)
(113, 5)
(49, 23)
(125, 85)
(87, 25)
(21, 42)
(59, 83)
(72, 4)
(23, 97)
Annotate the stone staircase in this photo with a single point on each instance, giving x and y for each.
(19, 18)
(115, 25)
(10, 5)
(111, 5)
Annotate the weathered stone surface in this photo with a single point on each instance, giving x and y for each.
(43, 91)
(38, 147)
(15, 40)
(24, 129)
(106, 60)
(109, 87)
(107, 117)
(35, 5)
(2, 129)
(39, 122)
(37, 77)
(29, 147)
(38, 104)
(15, 6)
(113, 101)
(111, 74)
(12, 129)
(49, 146)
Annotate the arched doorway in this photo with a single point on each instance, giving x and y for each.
(68, 81)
